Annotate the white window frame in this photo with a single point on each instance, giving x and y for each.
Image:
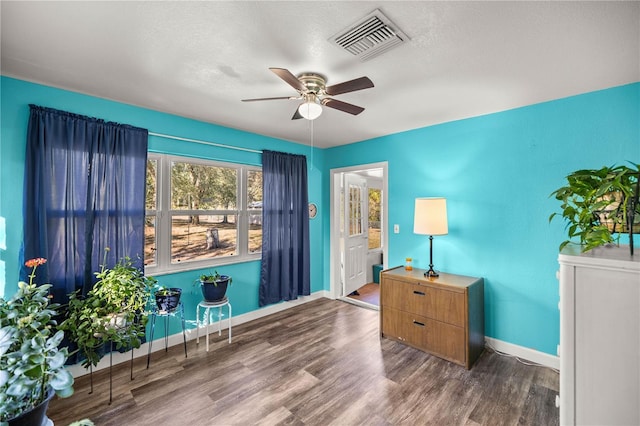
(163, 215)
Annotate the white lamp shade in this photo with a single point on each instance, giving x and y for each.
(430, 217)
(310, 110)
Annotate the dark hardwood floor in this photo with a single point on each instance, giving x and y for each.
(321, 363)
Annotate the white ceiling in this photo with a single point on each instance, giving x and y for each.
(199, 59)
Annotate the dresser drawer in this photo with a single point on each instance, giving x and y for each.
(430, 302)
(436, 337)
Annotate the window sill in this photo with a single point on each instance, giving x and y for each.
(190, 266)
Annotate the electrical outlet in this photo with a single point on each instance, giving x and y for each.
(396, 229)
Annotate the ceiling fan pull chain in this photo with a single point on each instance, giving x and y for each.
(311, 127)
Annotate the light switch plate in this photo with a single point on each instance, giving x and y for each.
(396, 229)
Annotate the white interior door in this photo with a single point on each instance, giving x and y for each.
(355, 232)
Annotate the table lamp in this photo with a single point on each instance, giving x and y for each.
(430, 218)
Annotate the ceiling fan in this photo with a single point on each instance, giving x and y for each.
(314, 92)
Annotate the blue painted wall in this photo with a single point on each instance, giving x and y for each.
(16, 97)
(497, 172)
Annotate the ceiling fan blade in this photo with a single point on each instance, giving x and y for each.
(349, 86)
(296, 115)
(291, 79)
(269, 99)
(342, 106)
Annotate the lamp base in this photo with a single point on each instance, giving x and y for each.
(431, 273)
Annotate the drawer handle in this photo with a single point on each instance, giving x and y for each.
(419, 293)
(418, 323)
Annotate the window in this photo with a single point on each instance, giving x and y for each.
(201, 213)
(151, 198)
(254, 204)
(375, 207)
(355, 210)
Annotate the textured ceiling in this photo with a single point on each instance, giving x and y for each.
(198, 59)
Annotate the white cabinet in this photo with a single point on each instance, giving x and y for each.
(600, 337)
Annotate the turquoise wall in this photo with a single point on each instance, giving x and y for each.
(497, 172)
(16, 97)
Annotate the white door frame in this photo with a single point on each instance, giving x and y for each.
(335, 287)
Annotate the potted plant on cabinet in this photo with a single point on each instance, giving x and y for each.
(114, 310)
(599, 205)
(31, 363)
(214, 286)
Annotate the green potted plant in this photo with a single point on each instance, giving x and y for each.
(31, 362)
(214, 286)
(167, 299)
(599, 205)
(114, 310)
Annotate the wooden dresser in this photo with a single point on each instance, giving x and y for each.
(443, 315)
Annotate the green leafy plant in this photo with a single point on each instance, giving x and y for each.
(114, 310)
(600, 204)
(213, 286)
(164, 291)
(31, 363)
(214, 278)
(83, 422)
(167, 299)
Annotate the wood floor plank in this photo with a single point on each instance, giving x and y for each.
(321, 363)
(539, 406)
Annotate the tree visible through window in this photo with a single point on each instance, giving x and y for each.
(208, 196)
(150, 217)
(198, 218)
(375, 210)
(254, 204)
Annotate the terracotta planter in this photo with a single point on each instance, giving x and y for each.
(214, 291)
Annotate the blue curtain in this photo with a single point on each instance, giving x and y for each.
(285, 269)
(84, 190)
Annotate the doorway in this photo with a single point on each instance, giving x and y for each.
(358, 229)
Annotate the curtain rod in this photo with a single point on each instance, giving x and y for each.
(205, 142)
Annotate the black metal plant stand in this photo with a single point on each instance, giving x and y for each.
(166, 314)
(110, 372)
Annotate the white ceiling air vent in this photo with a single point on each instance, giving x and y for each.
(369, 37)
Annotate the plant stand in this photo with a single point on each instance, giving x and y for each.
(166, 314)
(207, 313)
(110, 372)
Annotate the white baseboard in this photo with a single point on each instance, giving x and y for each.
(528, 354)
(78, 370)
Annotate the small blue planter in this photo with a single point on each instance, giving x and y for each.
(215, 291)
(167, 300)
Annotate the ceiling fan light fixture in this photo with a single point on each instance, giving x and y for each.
(313, 92)
(310, 109)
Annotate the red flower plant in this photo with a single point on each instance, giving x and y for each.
(32, 263)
